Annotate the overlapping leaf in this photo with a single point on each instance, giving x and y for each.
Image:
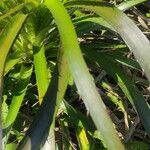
(81, 75)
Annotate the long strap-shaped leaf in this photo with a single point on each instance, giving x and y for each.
(128, 87)
(45, 119)
(7, 38)
(130, 33)
(83, 79)
(12, 11)
(43, 79)
(41, 71)
(130, 3)
(18, 96)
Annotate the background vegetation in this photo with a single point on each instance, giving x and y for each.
(74, 74)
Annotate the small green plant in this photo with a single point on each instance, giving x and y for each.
(45, 48)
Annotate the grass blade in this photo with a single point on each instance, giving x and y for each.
(82, 138)
(94, 19)
(81, 121)
(127, 86)
(12, 11)
(81, 74)
(77, 118)
(17, 99)
(130, 33)
(128, 4)
(10, 63)
(42, 77)
(7, 38)
(45, 119)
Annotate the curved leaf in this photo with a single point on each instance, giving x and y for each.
(7, 38)
(128, 87)
(18, 96)
(12, 11)
(81, 74)
(45, 119)
(130, 33)
(41, 71)
(130, 3)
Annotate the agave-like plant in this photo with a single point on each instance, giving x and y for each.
(39, 40)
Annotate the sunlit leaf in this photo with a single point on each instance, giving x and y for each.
(81, 75)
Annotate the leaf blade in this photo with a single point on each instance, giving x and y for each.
(130, 33)
(81, 75)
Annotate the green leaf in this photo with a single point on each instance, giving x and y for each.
(77, 118)
(81, 75)
(12, 11)
(10, 63)
(7, 37)
(41, 71)
(130, 33)
(128, 87)
(129, 3)
(45, 119)
(11, 146)
(81, 121)
(82, 138)
(125, 61)
(113, 96)
(94, 19)
(137, 145)
(18, 96)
